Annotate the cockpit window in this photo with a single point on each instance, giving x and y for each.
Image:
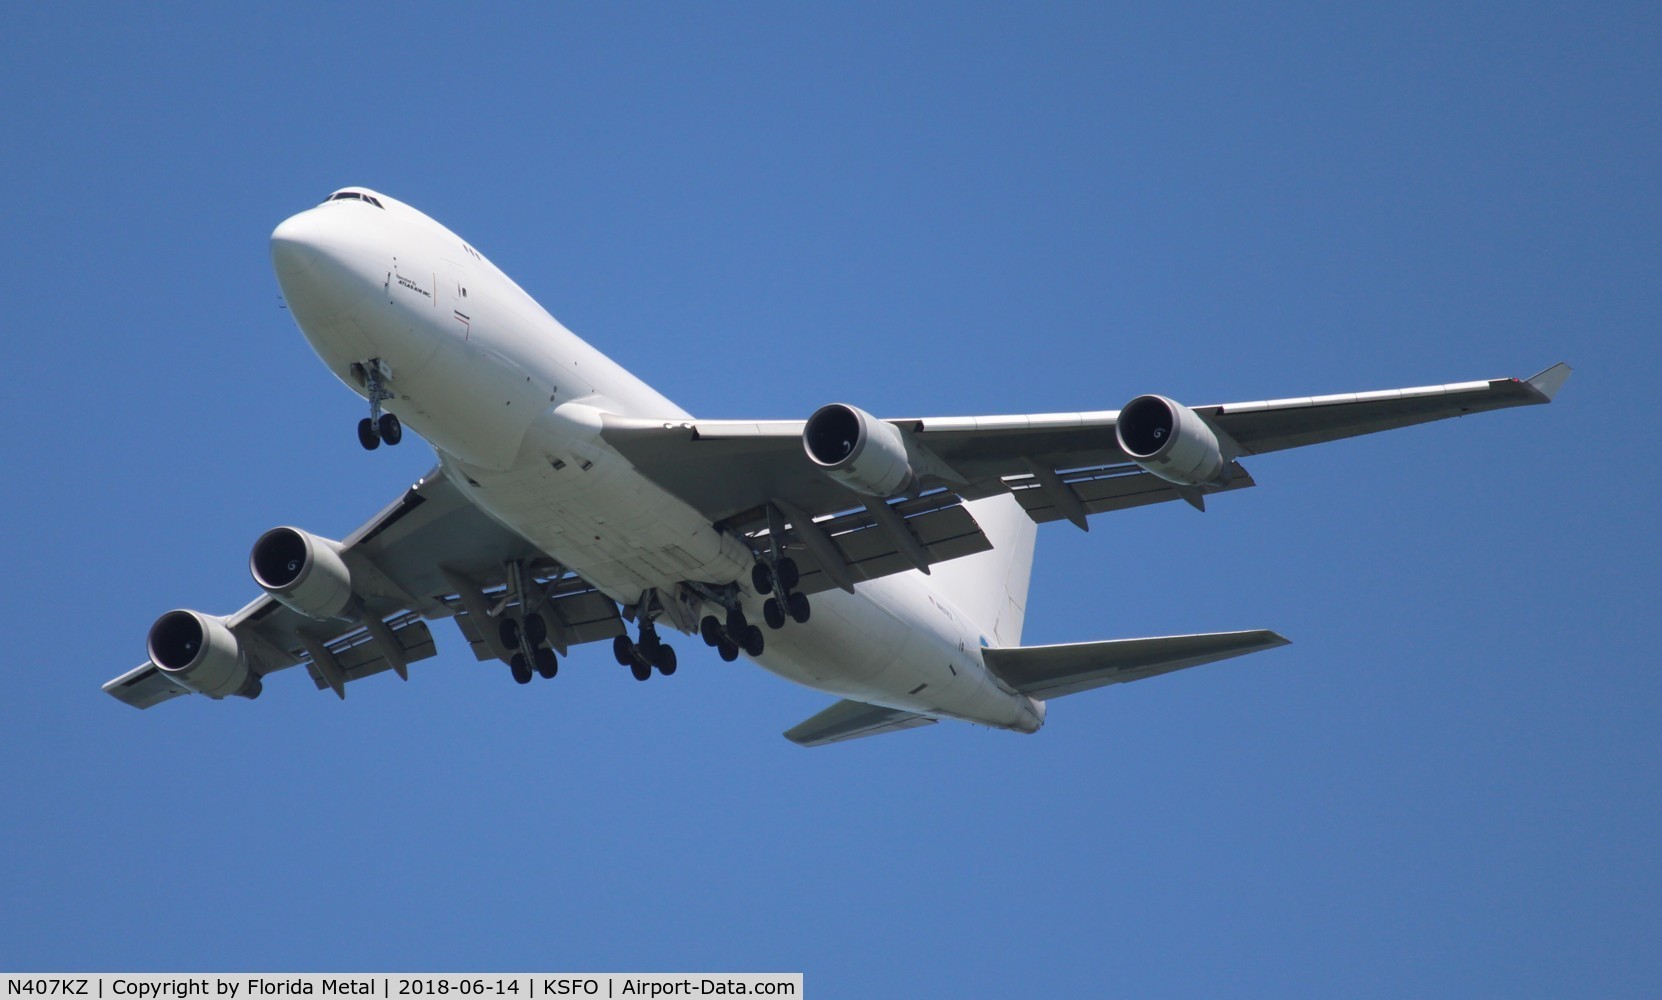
(356, 196)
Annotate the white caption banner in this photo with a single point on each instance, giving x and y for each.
(398, 986)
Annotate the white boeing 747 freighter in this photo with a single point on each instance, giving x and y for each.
(884, 562)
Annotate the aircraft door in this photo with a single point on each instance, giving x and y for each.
(452, 281)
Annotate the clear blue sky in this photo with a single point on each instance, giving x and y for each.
(1448, 785)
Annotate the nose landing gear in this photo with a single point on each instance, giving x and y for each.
(379, 426)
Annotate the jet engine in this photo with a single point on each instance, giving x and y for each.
(1171, 441)
(855, 448)
(202, 654)
(302, 571)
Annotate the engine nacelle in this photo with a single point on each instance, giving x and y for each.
(855, 448)
(302, 571)
(1170, 440)
(202, 654)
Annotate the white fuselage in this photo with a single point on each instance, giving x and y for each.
(511, 401)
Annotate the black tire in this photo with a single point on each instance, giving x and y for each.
(788, 575)
(727, 650)
(367, 435)
(773, 614)
(536, 630)
(521, 669)
(649, 645)
(548, 665)
(736, 623)
(799, 609)
(709, 630)
(665, 659)
(641, 669)
(391, 430)
(761, 578)
(508, 631)
(623, 651)
(753, 641)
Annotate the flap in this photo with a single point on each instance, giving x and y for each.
(144, 685)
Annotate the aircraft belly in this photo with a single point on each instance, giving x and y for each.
(857, 647)
(605, 522)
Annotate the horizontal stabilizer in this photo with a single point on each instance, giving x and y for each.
(850, 720)
(1054, 671)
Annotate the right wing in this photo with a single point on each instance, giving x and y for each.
(755, 479)
(431, 554)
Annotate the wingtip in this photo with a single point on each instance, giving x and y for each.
(1548, 382)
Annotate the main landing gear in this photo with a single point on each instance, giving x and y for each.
(379, 425)
(526, 636)
(650, 651)
(733, 636)
(780, 579)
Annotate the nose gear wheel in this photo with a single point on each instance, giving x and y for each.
(379, 426)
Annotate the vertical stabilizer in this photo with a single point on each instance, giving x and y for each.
(991, 587)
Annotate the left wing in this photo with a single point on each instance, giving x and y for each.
(431, 554)
(752, 476)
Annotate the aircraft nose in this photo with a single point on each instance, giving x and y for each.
(321, 262)
(293, 244)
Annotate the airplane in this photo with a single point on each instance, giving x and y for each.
(572, 503)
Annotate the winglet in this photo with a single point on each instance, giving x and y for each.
(1548, 383)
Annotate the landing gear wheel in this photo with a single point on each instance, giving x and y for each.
(728, 651)
(761, 578)
(736, 623)
(391, 430)
(536, 630)
(521, 669)
(508, 631)
(773, 614)
(787, 573)
(664, 659)
(623, 651)
(798, 606)
(641, 669)
(753, 641)
(547, 664)
(367, 434)
(709, 630)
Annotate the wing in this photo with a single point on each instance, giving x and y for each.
(755, 476)
(431, 554)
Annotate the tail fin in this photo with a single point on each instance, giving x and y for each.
(991, 587)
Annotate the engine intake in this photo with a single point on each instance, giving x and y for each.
(864, 453)
(199, 652)
(1171, 441)
(302, 571)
